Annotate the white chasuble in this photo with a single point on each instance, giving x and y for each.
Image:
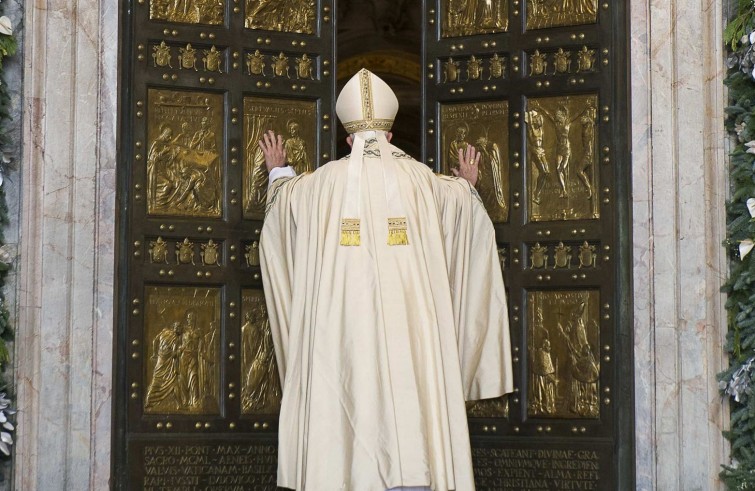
(379, 345)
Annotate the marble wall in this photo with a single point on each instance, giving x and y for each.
(679, 188)
(67, 251)
(65, 295)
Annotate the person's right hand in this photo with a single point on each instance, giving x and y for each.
(272, 149)
(469, 160)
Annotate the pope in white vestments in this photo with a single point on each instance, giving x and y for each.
(387, 308)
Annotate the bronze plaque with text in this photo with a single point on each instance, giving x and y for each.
(532, 467)
(191, 464)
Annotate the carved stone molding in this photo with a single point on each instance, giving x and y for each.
(679, 187)
(65, 296)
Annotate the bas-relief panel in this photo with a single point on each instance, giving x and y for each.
(182, 252)
(182, 340)
(563, 337)
(296, 121)
(560, 13)
(285, 16)
(260, 381)
(268, 64)
(476, 67)
(185, 135)
(561, 62)
(188, 11)
(188, 57)
(561, 170)
(484, 125)
(489, 408)
(471, 17)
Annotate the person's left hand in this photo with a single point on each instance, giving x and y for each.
(272, 149)
(469, 160)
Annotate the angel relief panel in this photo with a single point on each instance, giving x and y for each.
(542, 14)
(471, 17)
(484, 125)
(296, 121)
(182, 366)
(185, 135)
(188, 11)
(561, 170)
(260, 381)
(563, 340)
(297, 16)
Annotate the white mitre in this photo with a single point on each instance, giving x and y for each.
(366, 103)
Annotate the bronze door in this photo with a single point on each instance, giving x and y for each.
(196, 386)
(540, 89)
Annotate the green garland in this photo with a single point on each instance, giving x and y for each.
(8, 46)
(739, 26)
(737, 381)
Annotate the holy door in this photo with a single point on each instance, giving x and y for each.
(197, 390)
(539, 87)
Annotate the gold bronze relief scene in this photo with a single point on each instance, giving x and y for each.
(471, 17)
(185, 137)
(297, 16)
(489, 408)
(485, 126)
(563, 342)
(296, 122)
(260, 382)
(559, 13)
(561, 171)
(182, 342)
(188, 11)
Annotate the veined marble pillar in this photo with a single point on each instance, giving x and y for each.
(64, 334)
(66, 270)
(679, 169)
